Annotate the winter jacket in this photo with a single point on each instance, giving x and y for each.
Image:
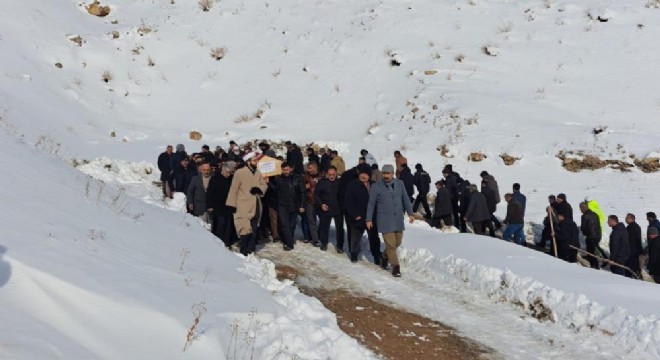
(635, 238)
(565, 209)
(164, 166)
(312, 181)
(325, 162)
(290, 192)
(492, 183)
(452, 186)
(590, 225)
(387, 203)
(422, 181)
(491, 199)
(344, 180)
(595, 207)
(408, 180)
(655, 223)
(653, 265)
(217, 192)
(338, 162)
(175, 159)
(619, 244)
(295, 158)
(183, 177)
(514, 213)
(327, 192)
(196, 195)
(246, 204)
(399, 161)
(442, 204)
(357, 200)
(477, 210)
(567, 234)
(520, 198)
(313, 158)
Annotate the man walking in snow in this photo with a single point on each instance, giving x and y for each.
(290, 189)
(408, 181)
(399, 160)
(653, 265)
(164, 165)
(216, 199)
(590, 226)
(442, 210)
(514, 220)
(635, 238)
(567, 235)
(477, 212)
(451, 184)
(196, 195)
(492, 183)
(357, 201)
(619, 245)
(312, 178)
(519, 197)
(422, 181)
(388, 201)
(327, 199)
(245, 194)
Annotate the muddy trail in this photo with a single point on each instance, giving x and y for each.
(386, 329)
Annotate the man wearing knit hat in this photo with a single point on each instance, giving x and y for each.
(245, 196)
(388, 201)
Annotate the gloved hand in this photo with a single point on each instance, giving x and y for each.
(256, 191)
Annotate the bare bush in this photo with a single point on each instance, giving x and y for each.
(106, 76)
(205, 5)
(198, 310)
(242, 119)
(218, 53)
(151, 61)
(97, 9)
(505, 28)
(459, 58)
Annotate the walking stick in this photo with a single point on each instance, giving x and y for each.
(606, 260)
(552, 231)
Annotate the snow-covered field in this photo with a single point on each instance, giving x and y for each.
(89, 270)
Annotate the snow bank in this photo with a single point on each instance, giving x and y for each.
(550, 290)
(88, 272)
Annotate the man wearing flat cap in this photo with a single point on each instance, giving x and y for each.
(388, 201)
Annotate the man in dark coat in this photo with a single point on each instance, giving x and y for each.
(653, 220)
(266, 150)
(492, 183)
(619, 245)
(310, 217)
(166, 169)
(653, 265)
(477, 212)
(325, 159)
(515, 221)
(567, 235)
(519, 197)
(176, 158)
(442, 209)
(208, 156)
(590, 226)
(408, 180)
(295, 158)
(196, 194)
(327, 199)
(464, 196)
(635, 238)
(311, 156)
(452, 187)
(290, 189)
(183, 175)
(562, 206)
(422, 181)
(357, 200)
(345, 179)
(216, 198)
(491, 202)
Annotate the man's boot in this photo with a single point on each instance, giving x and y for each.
(383, 263)
(354, 257)
(377, 259)
(396, 271)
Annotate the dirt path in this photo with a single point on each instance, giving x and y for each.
(387, 330)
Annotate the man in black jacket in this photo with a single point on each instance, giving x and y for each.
(653, 265)
(635, 238)
(619, 245)
(567, 235)
(562, 206)
(216, 198)
(345, 179)
(295, 158)
(422, 181)
(491, 202)
(590, 226)
(408, 180)
(357, 200)
(290, 189)
(327, 199)
(183, 174)
(166, 171)
(515, 220)
(442, 209)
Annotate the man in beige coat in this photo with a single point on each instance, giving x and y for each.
(245, 196)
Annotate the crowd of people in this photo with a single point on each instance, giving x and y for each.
(315, 189)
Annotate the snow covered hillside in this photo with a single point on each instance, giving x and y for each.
(89, 270)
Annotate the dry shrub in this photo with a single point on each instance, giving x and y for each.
(113, 134)
(477, 156)
(648, 165)
(106, 76)
(509, 159)
(205, 5)
(444, 151)
(242, 119)
(540, 311)
(77, 39)
(218, 53)
(97, 9)
(430, 72)
(59, 65)
(144, 30)
(195, 135)
(115, 34)
(588, 162)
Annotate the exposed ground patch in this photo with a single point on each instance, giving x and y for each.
(386, 330)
